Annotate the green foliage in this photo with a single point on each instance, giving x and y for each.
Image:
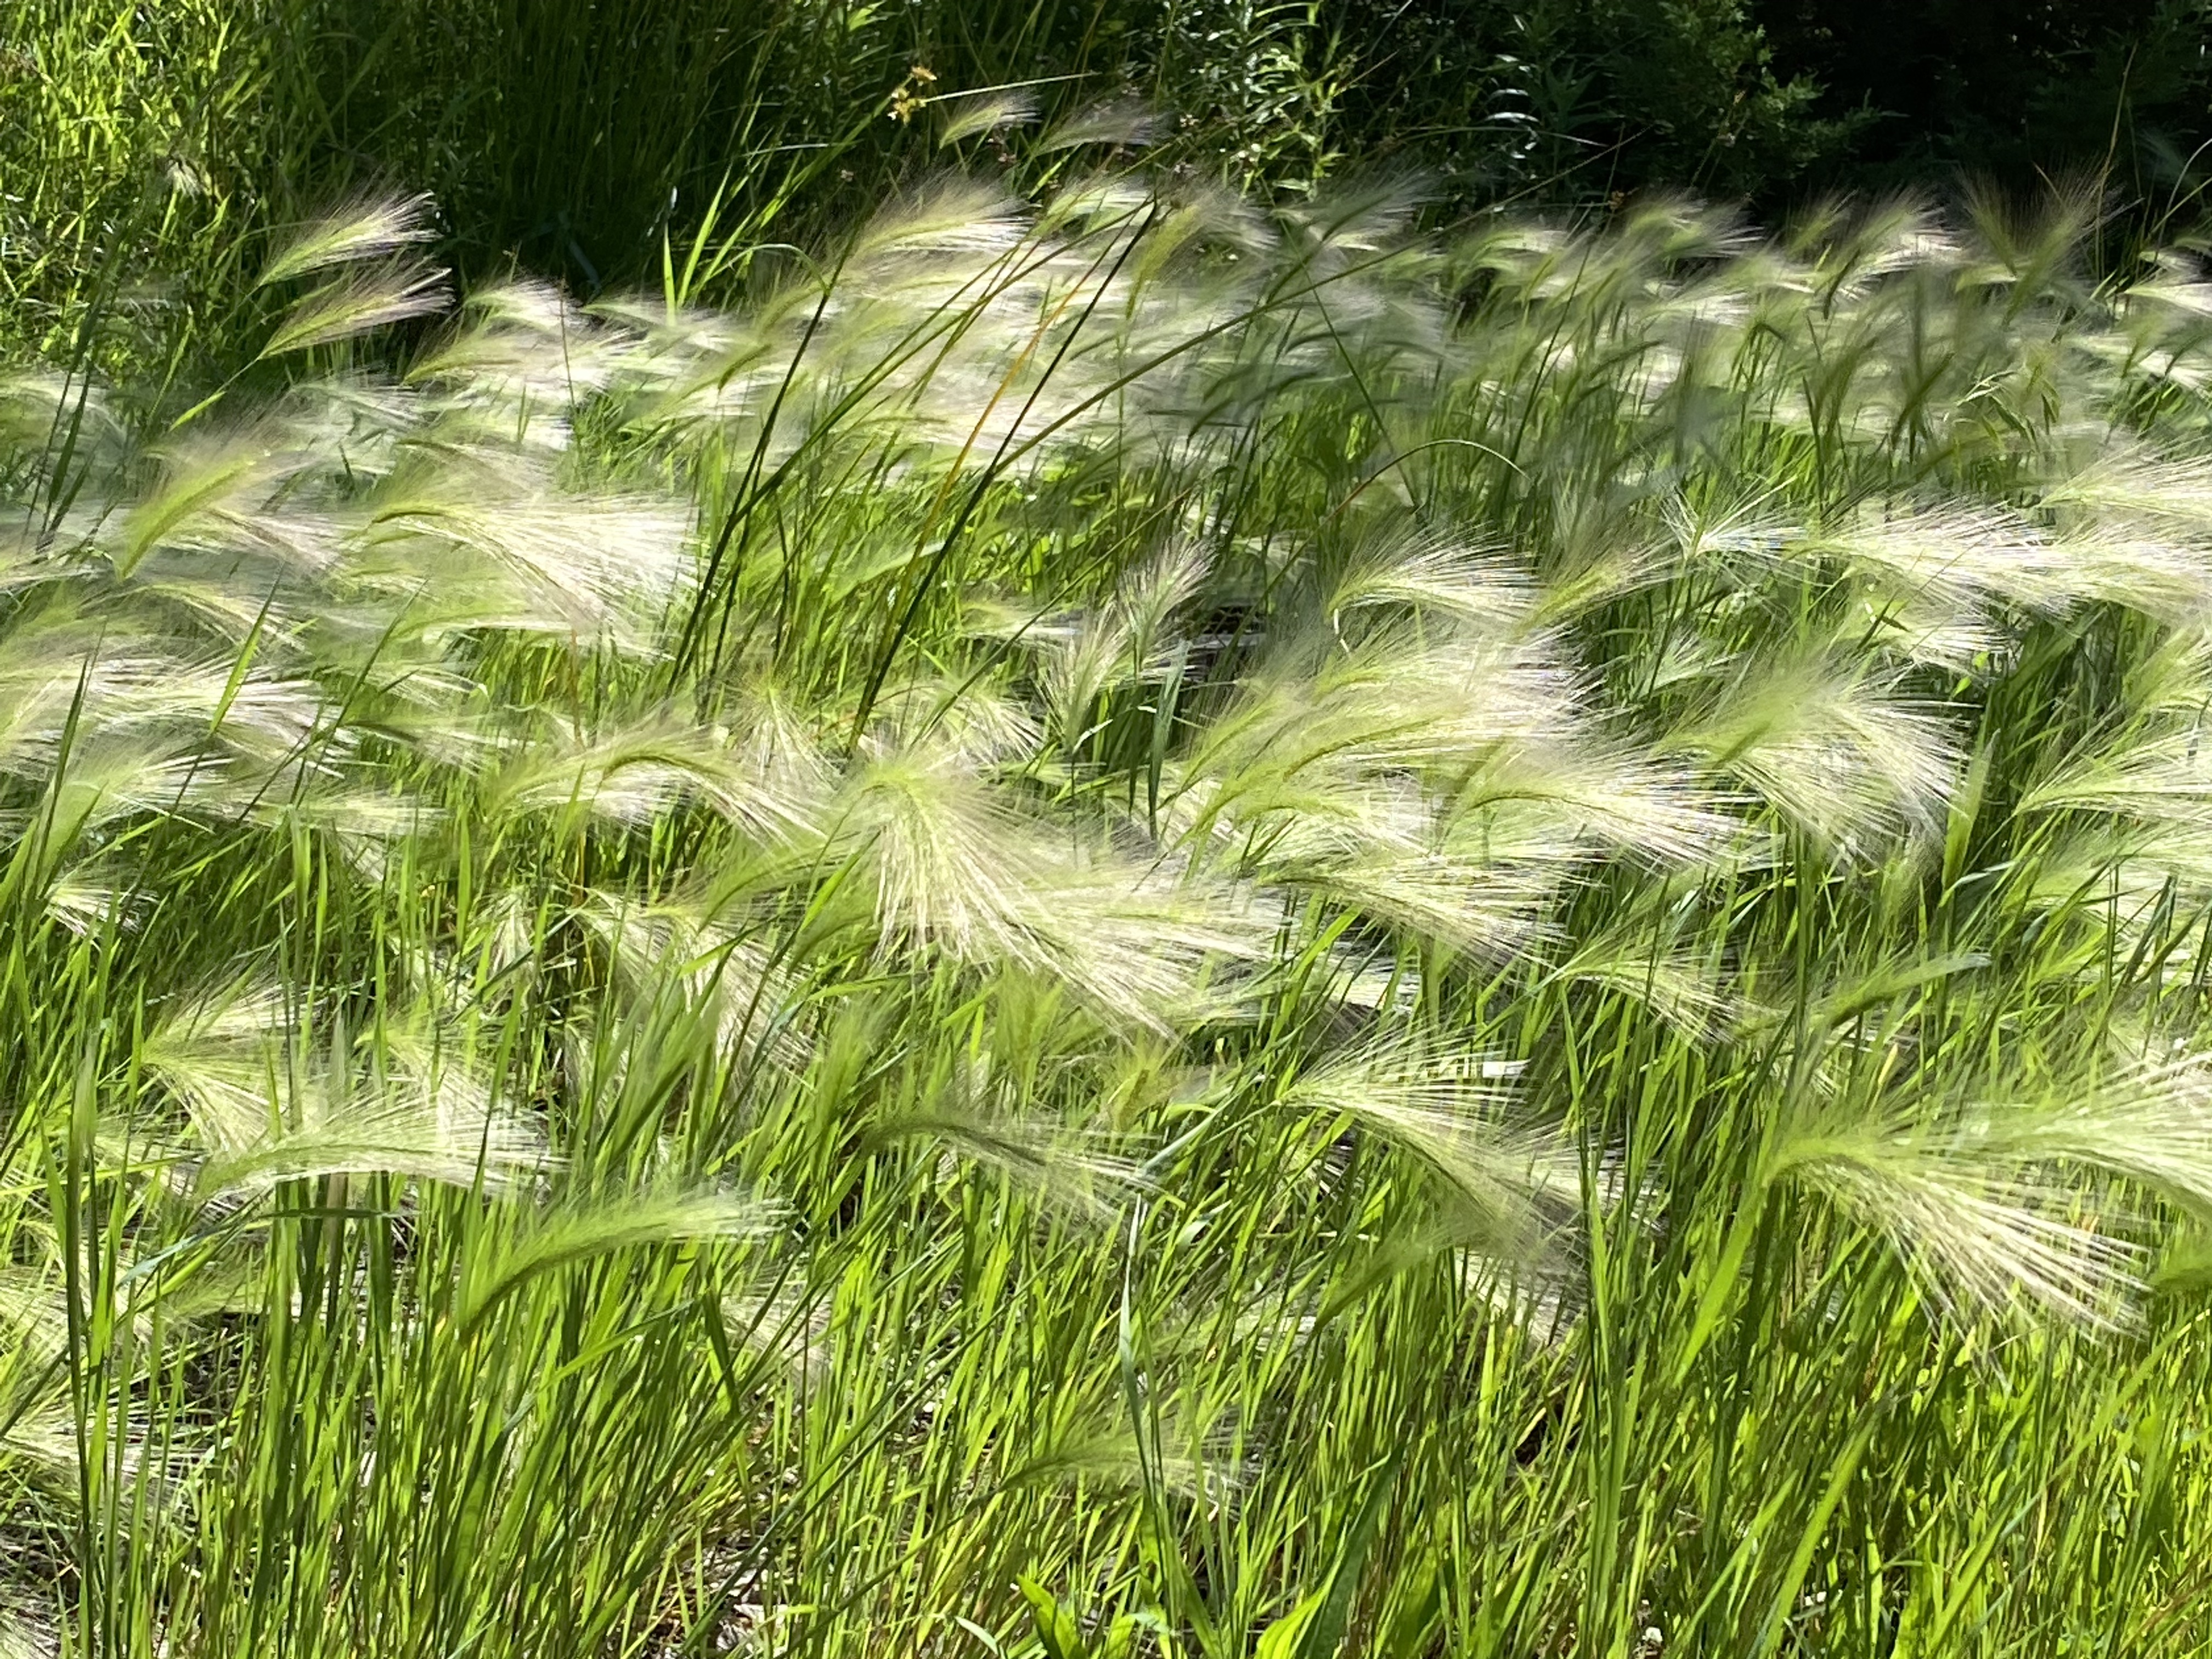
(1122, 924)
(2121, 85)
(563, 133)
(154, 152)
(134, 165)
(1576, 101)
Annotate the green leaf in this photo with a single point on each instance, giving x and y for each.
(1055, 1625)
(1287, 1637)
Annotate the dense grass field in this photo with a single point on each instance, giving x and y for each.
(1120, 925)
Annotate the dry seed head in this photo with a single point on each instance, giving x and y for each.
(366, 231)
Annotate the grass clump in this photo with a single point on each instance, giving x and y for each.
(1124, 925)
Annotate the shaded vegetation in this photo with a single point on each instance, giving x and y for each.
(149, 149)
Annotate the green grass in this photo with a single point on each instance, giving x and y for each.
(152, 156)
(1121, 925)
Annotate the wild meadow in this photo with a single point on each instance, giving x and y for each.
(1119, 924)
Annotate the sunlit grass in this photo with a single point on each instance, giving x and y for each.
(1123, 925)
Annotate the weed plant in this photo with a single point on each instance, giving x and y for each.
(1123, 925)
